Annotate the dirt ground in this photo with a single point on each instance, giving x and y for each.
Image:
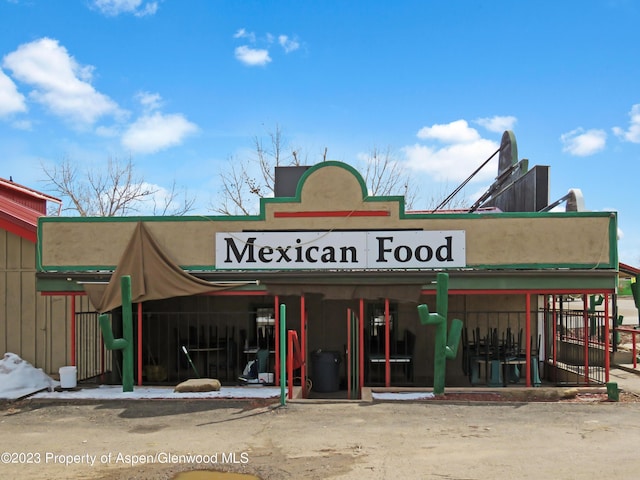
(582, 437)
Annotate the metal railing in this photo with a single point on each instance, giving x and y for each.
(92, 358)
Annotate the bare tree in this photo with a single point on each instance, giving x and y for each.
(453, 202)
(169, 204)
(237, 190)
(246, 181)
(384, 176)
(118, 191)
(241, 189)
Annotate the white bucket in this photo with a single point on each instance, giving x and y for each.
(68, 377)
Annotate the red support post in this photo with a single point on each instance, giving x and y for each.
(290, 363)
(277, 337)
(555, 331)
(303, 347)
(607, 345)
(348, 353)
(585, 318)
(527, 335)
(361, 340)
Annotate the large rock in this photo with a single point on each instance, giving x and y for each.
(198, 385)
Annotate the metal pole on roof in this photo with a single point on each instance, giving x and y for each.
(461, 186)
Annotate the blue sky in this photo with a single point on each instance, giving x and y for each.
(183, 86)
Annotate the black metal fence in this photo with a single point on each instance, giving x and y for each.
(566, 346)
(181, 345)
(580, 346)
(92, 358)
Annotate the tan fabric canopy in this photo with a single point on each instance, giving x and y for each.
(154, 276)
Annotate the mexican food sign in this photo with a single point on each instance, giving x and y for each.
(340, 250)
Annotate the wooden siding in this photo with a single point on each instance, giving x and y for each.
(33, 326)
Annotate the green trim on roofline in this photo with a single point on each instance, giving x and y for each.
(500, 282)
(613, 241)
(535, 267)
(261, 217)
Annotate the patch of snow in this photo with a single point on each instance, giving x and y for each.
(401, 395)
(19, 378)
(114, 392)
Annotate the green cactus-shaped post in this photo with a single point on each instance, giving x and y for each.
(635, 291)
(445, 348)
(593, 303)
(126, 343)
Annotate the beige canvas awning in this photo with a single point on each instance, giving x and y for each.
(154, 276)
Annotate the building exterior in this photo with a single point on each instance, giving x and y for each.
(32, 326)
(533, 289)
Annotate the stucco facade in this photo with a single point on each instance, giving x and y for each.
(513, 266)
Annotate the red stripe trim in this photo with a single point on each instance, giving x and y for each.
(336, 213)
(537, 291)
(28, 233)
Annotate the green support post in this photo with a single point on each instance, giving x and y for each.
(593, 303)
(445, 348)
(126, 342)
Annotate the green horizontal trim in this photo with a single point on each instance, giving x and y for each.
(530, 267)
(546, 266)
(63, 285)
(57, 285)
(458, 280)
(539, 282)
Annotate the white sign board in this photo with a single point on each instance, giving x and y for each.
(375, 250)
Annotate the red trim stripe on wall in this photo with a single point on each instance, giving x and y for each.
(336, 213)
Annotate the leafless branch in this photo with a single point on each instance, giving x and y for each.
(384, 176)
(116, 191)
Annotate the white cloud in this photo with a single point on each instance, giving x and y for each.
(21, 125)
(288, 44)
(497, 123)
(252, 56)
(464, 152)
(633, 133)
(60, 83)
(11, 101)
(107, 132)
(242, 33)
(583, 143)
(116, 7)
(149, 101)
(454, 132)
(156, 131)
(256, 52)
(453, 162)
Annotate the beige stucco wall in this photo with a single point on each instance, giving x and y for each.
(543, 239)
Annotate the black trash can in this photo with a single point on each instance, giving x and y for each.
(325, 371)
